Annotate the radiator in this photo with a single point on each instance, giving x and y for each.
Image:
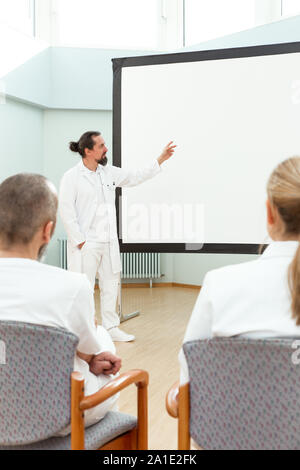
(134, 265)
(141, 265)
(63, 253)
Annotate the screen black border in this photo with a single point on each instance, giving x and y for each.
(173, 58)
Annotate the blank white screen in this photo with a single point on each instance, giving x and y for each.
(233, 120)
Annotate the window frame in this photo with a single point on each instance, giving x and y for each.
(171, 22)
(266, 11)
(55, 35)
(288, 15)
(28, 28)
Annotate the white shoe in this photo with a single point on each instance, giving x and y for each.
(118, 335)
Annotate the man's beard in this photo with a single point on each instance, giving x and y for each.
(103, 161)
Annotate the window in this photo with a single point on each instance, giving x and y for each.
(290, 7)
(108, 23)
(18, 14)
(209, 19)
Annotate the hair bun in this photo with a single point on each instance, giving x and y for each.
(74, 146)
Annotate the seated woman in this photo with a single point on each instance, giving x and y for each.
(261, 298)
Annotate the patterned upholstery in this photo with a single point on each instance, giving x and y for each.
(244, 394)
(35, 382)
(35, 391)
(112, 425)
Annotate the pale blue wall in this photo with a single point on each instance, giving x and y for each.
(21, 139)
(191, 268)
(67, 78)
(82, 78)
(31, 81)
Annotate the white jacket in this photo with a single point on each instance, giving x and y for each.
(78, 205)
(249, 299)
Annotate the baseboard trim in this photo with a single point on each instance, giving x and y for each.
(132, 285)
(187, 286)
(159, 284)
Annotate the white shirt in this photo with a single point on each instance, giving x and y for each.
(99, 229)
(78, 200)
(36, 293)
(78, 205)
(250, 299)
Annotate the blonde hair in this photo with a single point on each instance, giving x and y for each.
(284, 193)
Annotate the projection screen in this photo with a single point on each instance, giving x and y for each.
(234, 115)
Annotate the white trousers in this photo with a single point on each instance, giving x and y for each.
(93, 383)
(96, 260)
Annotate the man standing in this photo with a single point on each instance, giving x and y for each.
(87, 209)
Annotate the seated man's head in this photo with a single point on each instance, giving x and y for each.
(28, 206)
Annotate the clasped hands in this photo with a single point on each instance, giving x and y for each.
(105, 363)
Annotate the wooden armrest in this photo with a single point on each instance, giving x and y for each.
(172, 400)
(79, 403)
(177, 404)
(139, 377)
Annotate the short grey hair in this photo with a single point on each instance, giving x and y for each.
(27, 202)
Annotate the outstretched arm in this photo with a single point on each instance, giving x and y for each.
(126, 178)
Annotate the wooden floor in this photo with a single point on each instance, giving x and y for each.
(159, 331)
